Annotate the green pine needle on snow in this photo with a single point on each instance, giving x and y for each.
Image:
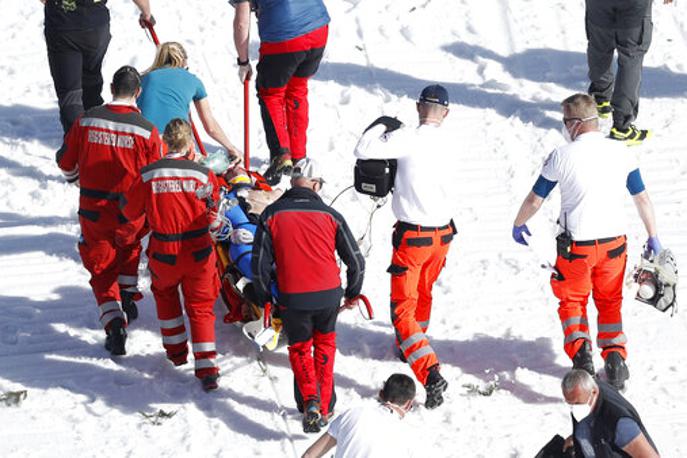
(13, 398)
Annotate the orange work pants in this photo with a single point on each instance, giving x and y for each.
(596, 266)
(418, 257)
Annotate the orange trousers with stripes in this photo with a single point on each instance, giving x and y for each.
(596, 267)
(418, 258)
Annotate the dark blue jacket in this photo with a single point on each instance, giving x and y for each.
(281, 20)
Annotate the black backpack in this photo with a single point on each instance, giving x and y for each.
(374, 177)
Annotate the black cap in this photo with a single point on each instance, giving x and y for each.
(434, 94)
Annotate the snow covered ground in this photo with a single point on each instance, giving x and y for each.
(506, 64)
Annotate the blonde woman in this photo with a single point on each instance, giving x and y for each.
(168, 90)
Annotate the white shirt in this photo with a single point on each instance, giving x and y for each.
(592, 175)
(370, 431)
(426, 157)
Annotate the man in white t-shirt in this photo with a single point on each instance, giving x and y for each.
(422, 203)
(593, 173)
(371, 430)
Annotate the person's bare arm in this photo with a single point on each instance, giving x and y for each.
(144, 7)
(639, 447)
(213, 128)
(529, 207)
(320, 446)
(646, 212)
(242, 29)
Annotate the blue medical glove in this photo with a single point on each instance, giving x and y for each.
(518, 234)
(652, 247)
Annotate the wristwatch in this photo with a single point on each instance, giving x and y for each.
(241, 63)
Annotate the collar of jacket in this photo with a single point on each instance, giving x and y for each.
(122, 108)
(299, 192)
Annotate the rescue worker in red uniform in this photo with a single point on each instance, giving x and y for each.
(293, 35)
(175, 194)
(299, 235)
(422, 203)
(102, 153)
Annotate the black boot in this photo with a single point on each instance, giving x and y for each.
(435, 387)
(210, 382)
(129, 306)
(279, 165)
(116, 337)
(616, 370)
(312, 417)
(583, 358)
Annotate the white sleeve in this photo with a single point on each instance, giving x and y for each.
(375, 144)
(550, 168)
(334, 427)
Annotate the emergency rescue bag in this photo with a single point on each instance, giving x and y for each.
(375, 177)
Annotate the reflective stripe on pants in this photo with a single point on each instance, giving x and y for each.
(598, 269)
(418, 258)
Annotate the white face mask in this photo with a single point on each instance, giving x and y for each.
(566, 134)
(582, 411)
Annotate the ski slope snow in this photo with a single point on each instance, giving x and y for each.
(507, 65)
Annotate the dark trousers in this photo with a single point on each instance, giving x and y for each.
(75, 59)
(622, 87)
(282, 82)
(312, 333)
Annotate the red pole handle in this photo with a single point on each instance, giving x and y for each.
(151, 29)
(246, 124)
(368, 306)
(267, 315)
(156, 40)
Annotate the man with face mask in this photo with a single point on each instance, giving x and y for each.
(592, 171)
(604, 422)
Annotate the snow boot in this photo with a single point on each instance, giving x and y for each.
(631, 136)
(604, 109)
(129, 306)
(616, 370)
(435, 387)
(583, 358)
(179, 359)
(312, 417)
(210, 382)
(116, 337)
(279, 165)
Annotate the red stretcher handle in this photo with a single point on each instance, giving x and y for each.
(368, 306)
(246, 125)
(156, 40)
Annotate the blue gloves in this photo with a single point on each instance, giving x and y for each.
(652, 247)
(518, 232)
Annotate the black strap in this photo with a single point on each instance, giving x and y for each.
(180, 236)
(97, 194)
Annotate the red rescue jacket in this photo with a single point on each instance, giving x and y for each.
(105, 149)
(174, 193)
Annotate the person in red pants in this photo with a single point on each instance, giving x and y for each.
(102, 153)
(593, 172)
(299, 234)
(421, 203)
(293, 35)
(175, 194)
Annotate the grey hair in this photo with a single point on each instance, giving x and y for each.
(575, 378)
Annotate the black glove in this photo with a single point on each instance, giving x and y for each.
(390, 123)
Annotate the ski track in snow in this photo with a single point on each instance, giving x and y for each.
(506, 64)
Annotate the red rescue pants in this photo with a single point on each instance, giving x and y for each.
(283, 72)
(193, 270)
(312, 333)
(418, 258)
(596, 266)
(111, 260)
